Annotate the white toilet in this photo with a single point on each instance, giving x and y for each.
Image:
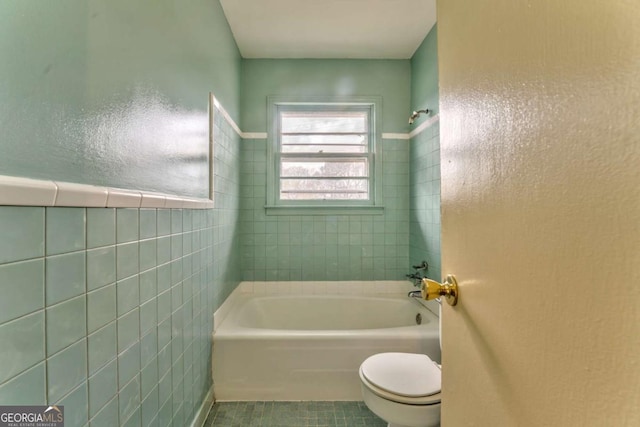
(402, 389)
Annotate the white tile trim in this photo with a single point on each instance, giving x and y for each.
(201, 414)
(70, 194)
(253, 135)
(385, 135)
(27, 192)
(395, 136)
(118, 198)
(151, 200)
(226, 116)
(173, 202)
(234, 125)
(424, 125)
(17, 191)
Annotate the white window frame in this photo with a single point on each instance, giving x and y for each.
(373, 205)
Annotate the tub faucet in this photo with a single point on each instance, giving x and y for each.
(419, 273)
(416, 277)
(415, 294)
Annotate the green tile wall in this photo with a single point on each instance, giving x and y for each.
(261, 78)
(99, 315)
(424, 233)
(424, 75)
(108, 82)
(424, 243)
(325, 247)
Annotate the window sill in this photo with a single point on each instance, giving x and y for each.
(324, 210)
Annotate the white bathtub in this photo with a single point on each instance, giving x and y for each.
(275, 346)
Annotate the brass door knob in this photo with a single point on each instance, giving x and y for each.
(449, 289)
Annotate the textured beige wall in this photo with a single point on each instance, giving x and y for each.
(540, 134)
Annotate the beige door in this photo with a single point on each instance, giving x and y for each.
(540, 134)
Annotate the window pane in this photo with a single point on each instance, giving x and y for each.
(323, 121)
(330, 143)
(323, 196)
(319, 189)
(324, 168)
(323, 152)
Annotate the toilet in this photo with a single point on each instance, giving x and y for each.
(402, 389)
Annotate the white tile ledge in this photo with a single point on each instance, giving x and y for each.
(385, 135)
(27, 192)
(70, 194)
(17, 191)
(425, 125)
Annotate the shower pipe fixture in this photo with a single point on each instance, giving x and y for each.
(418, 274)
(422, 266)
(415, 115)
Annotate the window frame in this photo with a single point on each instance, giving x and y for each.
(373, 106)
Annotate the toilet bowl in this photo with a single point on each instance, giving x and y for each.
(402, 388)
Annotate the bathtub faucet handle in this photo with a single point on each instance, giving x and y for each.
(417, 278)
(423, 266)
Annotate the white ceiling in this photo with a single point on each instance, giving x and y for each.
(376, 29)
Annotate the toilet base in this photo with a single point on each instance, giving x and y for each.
(407, 415)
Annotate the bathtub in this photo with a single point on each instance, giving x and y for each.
(306, 341)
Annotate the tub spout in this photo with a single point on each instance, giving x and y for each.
(415, 294)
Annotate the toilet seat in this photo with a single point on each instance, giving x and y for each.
(434, 399)
(407, 378)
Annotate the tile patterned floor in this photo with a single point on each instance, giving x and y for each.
(292, 414)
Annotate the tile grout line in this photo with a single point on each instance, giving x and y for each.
(86, 305)
(117, 395)
(46, 339)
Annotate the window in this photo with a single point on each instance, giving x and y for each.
(323, 154)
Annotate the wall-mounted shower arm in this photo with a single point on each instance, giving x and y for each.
(415, 114)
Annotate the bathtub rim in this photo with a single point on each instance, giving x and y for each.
(377, 288)
(231, 329)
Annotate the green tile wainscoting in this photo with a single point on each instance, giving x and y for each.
(108, 311)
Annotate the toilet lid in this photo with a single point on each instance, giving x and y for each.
(404, 374)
